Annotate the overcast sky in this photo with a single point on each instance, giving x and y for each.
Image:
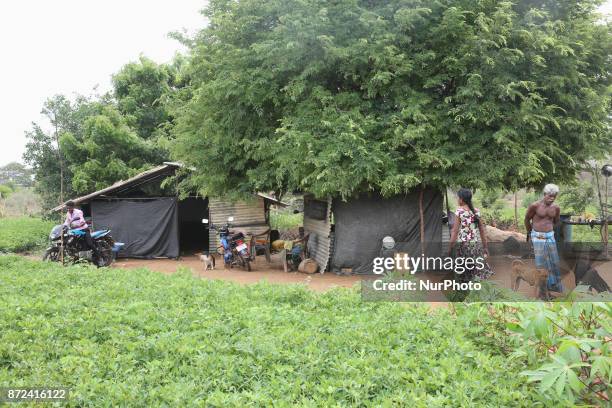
(71, 46)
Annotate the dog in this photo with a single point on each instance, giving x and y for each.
(208, 260)
(536, 277)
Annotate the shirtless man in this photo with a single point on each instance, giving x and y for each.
(540, 220)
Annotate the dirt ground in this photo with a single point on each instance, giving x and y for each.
(273, 273)
(262, 271)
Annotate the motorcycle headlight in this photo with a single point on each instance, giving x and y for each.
(55, 232)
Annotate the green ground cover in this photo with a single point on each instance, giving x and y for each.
(22, 234)
(138, 338)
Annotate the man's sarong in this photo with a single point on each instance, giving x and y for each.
(547, 257)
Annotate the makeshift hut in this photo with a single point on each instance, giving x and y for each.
(251, 216)
(145, 213)
(346, 236)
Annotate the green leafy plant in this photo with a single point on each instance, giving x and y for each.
(23, 233)
(284, 220)
(567, 344)
(531, 198)
(5, 191)
(119, 337)
(488, 197)
(575, 199)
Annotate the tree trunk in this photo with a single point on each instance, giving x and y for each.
(601, 203)
(61, 163)
(61, 182)
(422, 219)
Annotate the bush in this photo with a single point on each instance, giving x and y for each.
(575, 199)
(488, 197)
(284, 220)
(5, 191)
(584, 233)
(23, 233)
(530, 198)
(566, 345)
(138, 338)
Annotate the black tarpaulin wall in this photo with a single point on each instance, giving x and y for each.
(148, 228)
(360, 224)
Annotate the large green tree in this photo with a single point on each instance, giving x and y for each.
(94, 142)
(140, 88)
(107, 150)
(354, 95)
(52, 174)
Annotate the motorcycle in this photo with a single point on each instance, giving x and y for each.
(233, 247)
(70, 245)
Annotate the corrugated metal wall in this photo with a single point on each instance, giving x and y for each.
(445, 238)
(319, 243)
(445, 233)
(249, 216)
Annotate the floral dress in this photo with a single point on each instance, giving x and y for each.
(470, 246)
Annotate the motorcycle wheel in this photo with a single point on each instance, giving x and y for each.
(106, 254)
(245, 262)
(51, 255)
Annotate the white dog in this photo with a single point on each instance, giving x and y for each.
(208, 260)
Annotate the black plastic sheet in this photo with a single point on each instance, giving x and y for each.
(148, 228)
(361, 224)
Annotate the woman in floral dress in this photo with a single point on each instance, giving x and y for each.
(469, 235)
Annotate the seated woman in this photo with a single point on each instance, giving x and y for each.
(465, 234)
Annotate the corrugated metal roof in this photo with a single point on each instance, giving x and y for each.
(164, 170)
(273, 200)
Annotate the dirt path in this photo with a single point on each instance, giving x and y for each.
(262, 271)
(273, 273)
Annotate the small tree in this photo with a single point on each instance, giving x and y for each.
(577, 197)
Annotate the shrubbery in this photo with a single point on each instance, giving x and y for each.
(137, 338)
(565, 345)
(284, 220)
(23, 233)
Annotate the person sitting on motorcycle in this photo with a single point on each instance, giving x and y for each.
(76, 221)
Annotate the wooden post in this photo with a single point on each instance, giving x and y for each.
(283, 257)
(604, 226)
(422, 219)
(515, 213)
(62, 247)
(604, 211)
(446, 199)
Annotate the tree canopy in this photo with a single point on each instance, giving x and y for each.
(107, 150)
(357, 95)
(96, 141)
(140, 88)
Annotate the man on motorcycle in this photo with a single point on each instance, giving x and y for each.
(75, 220)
